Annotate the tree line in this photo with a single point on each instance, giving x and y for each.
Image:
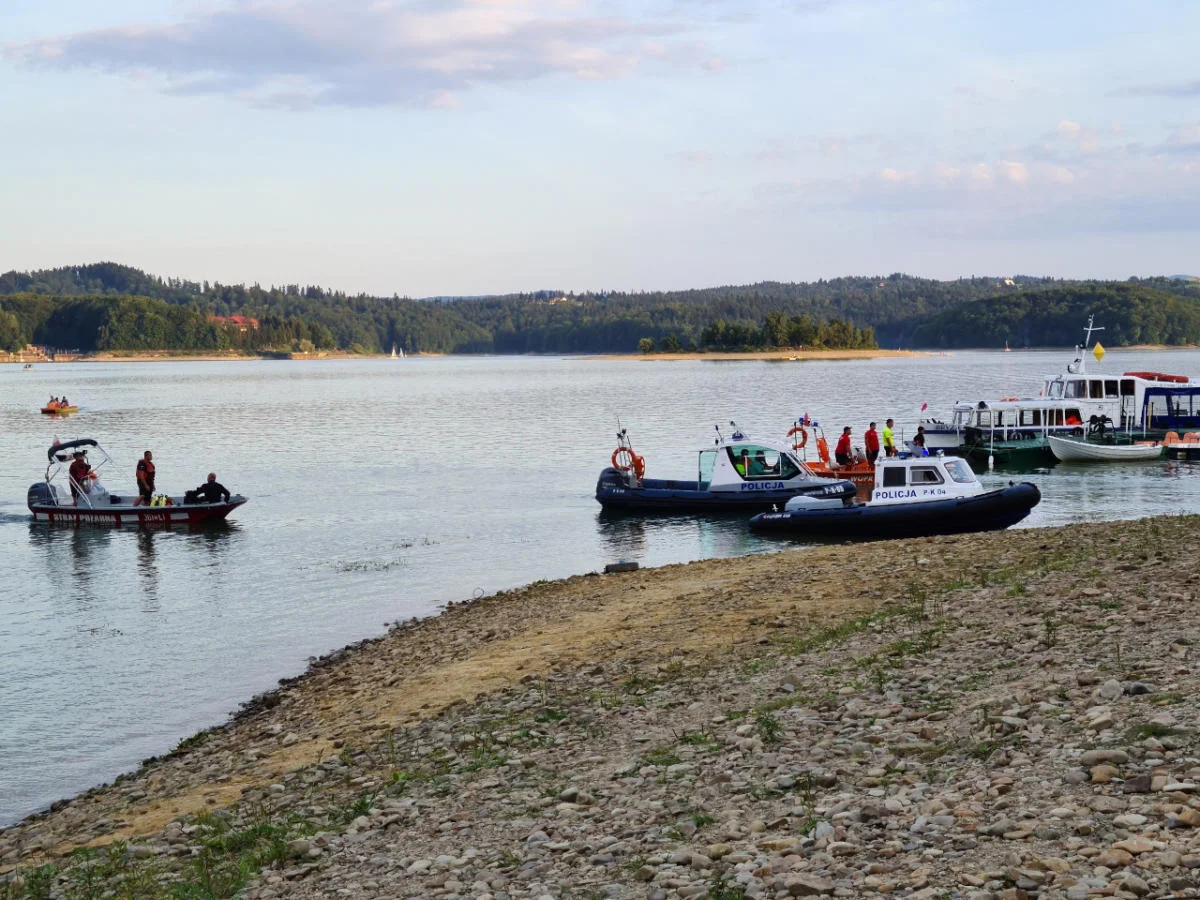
(111, 306)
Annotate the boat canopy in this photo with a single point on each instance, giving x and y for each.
(57, 451)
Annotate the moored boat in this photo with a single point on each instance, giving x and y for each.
(1144, 403)
(72, 494)
(738, 474)
(1077, 449)
(912, 497)
(860, 470)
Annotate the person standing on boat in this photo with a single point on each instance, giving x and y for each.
(919, 440)
(842, 452)
(872, 442)
(889, 439)
(78, 475)
(145, 479)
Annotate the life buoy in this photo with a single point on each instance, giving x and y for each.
(823, 450)
(802, 441)
(634, 463)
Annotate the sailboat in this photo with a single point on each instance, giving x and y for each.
(1006, 348)
(394, 354)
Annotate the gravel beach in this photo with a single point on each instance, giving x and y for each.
(988, 717)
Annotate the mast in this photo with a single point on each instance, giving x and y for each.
(1079, 366)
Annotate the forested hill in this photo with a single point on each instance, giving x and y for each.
(1130, 314)
(93, 305)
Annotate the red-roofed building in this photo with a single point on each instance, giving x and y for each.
(241, 323)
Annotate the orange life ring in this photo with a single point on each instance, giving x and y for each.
(801, 442)
(635, 463)
(823, 450)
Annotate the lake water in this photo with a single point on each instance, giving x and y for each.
(380, 490)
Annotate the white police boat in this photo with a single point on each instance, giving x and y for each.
(80, 498)
(738, 474)
(912, 497)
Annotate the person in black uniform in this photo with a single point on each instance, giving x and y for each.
(212, 491)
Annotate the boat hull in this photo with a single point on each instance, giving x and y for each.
(1184, 451)
(656, 495)
(189, 515)
(59, 410)
(991, 511)
(1073, 450)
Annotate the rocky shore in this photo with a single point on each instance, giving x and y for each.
(988, 717)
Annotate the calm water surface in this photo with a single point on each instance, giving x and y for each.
(380, 490)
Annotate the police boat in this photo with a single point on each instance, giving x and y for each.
(72, 494)
(912, 497)
(738, 474)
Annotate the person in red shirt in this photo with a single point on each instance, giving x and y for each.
(842, 451)
(872, 439)
(145, 479)
(80, 473)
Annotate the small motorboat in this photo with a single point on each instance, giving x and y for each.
(912, 497)
(1103, 444)
(54, 408)
(738, 474)
(72, 494)
(1077, 449)
(860, 470)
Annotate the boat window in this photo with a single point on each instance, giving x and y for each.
(708, 462)
(1076, 390)
(1127, 387)
(1031, 417)
(925, 475)
(960, 471)
(1096, 389)
(1073, 417)
(754, 462)
(893, 476)
(1055, 389)
(1110, 389)
(985, 419)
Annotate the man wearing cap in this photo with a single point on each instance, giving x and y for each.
(79, 473)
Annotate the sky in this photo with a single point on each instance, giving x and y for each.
(449, 147)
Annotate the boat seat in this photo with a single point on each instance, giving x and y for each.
(1192, 437)
(1172, 437)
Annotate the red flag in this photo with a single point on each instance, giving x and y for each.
(924, 406)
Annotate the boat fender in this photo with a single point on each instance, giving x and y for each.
(800, 433)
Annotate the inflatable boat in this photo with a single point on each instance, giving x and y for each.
(738, 474)
(913, 497)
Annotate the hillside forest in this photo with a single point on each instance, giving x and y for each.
(110, 307)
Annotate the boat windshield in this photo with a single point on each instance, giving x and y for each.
(1055, 390)
(753, 461)
(959, 471)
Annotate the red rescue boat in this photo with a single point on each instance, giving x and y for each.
(72, 494)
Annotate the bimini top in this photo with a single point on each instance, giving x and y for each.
(61, 451)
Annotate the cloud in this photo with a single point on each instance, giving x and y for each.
(301, 53)
(1183, 91)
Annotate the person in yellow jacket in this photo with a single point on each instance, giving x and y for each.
(889, 440)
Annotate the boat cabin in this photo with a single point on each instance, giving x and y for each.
(741, 463)
(920, 478)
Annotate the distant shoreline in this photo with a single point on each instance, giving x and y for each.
(207, 356)
(768, 355)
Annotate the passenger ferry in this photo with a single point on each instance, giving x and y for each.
(1068, 403)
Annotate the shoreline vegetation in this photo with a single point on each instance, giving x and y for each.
(111, 307)
(985, 714)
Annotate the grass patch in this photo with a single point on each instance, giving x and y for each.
(661, 756)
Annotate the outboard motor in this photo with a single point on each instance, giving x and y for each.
(41, 494)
